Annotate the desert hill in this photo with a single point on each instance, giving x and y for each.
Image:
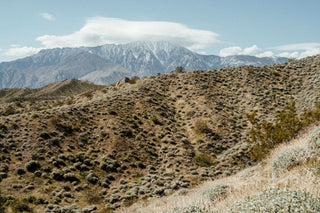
(287, 180)
(56, 90)
(147, 138)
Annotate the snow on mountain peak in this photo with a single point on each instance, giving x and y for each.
(141, 58)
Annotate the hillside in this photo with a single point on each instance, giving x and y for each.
(144, 139)
(109, 63)
(54, 91)
(259, 188)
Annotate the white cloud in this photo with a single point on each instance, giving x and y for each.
(101, 30)
(265, 54)
(289, 54)
(254, 50)
(299, 50)
(230, 51)
(47, 16)
(299, 46)
(18, 51)
(310, 53)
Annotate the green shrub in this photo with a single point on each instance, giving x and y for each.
(290, 158)
(104, 134)
(275, 73)
(179, 69)
(30, 199)
(133, 79)
(203, 160)
(264, 136)
(8, 200)
(279, 200)
(201, 127)
(155, 120)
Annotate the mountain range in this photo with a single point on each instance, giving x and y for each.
(108, 63)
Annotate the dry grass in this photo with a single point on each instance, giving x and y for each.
(248, 182)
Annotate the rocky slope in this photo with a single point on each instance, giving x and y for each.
(107, 64)
(144, 139)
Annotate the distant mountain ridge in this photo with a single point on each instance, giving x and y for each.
(56, 90)
(108, 63)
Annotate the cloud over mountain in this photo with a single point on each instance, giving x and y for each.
(253, 50)
(18, 51)
(101, 30)
(299, 50)
(98, 31)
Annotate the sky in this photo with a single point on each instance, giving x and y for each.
(288, 28)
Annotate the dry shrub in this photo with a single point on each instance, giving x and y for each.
(201, 127)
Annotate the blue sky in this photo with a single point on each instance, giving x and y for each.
(255, 27)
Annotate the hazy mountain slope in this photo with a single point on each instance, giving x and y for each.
(114, 146)
(75, 66)
(108, 63)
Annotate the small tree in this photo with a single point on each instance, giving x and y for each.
(179, 69)
(133, 79)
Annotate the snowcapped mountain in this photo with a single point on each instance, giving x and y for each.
(108, 63)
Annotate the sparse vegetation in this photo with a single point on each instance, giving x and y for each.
(160, 137)
(179, 69)
(55, 121)
(203, 160)
(314, 141)
(10, 110)
(267, 135)
(290, 158)
(217, 192)
(133, 80)
(92, 196)
(155, 120)
(88, 95)
(279, 200)
(32, 166)
(201, 127)
(189, 209)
